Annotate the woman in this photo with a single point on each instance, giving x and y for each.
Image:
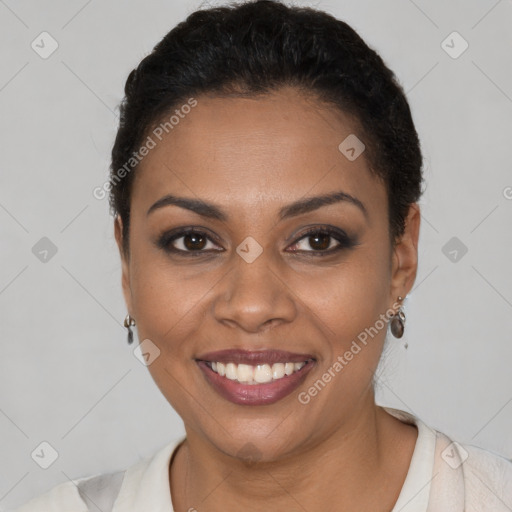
(265, 179)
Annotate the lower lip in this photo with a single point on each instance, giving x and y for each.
(255, 394)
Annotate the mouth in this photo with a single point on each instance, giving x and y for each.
(255, 378)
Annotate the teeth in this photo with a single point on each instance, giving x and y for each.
(263, 373)
(231, 371)
(278, 371)
(288, 368)
(245, 373)
(260, 374)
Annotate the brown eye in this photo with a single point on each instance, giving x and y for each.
(194, 241)
(323, 241)
(319, 242)
(187, 242)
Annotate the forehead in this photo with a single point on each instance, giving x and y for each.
(267, 149)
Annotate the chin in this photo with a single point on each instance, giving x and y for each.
(263, 442)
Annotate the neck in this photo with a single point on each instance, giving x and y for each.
(367, 452)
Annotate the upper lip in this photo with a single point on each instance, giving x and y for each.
(239, 356)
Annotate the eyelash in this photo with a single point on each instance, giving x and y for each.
(344, 241)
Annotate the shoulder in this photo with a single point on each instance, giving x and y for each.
(143, 480)
(61, 498)
(463, 473)
(452, 473)
(487, 477)
(81, 495)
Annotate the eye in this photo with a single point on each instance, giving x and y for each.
(187, 242)
(323, 240)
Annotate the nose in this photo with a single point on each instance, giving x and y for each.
(253, 297)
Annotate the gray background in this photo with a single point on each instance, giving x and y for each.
(68, 377)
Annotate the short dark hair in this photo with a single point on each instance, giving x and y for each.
(254, 48)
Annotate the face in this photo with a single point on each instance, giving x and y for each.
(241, 267)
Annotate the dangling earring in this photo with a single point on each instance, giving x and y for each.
(128, 323)
(398, 321)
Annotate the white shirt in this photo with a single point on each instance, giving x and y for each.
(443, 476)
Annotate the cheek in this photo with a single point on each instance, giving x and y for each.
(349, 304)
(349, 308)
(170, 311)
(350, 297)
(167, 304)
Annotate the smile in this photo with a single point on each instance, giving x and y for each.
(260, 374)
(255, 378)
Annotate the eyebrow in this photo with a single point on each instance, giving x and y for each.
(212, 211)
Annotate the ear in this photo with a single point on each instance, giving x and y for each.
(125, 264)
(405, 255)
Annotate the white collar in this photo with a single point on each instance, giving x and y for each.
(415, 492)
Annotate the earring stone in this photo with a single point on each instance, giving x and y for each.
(128, 323)
(398, 324)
